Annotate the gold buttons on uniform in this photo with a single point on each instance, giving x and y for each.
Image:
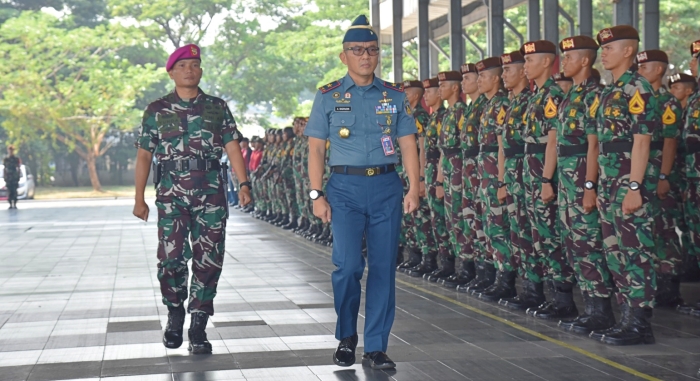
(344, 133)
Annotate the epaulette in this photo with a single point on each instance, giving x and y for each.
(326, 88)
(394, 86)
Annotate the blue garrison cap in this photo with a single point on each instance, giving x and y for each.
(360, 31)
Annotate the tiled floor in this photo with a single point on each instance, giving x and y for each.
(79, 299)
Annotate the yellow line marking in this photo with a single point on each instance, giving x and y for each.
(533, 333)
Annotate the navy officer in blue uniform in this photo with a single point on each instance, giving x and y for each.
(366, 121)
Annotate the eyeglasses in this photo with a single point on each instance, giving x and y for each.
(360, 50)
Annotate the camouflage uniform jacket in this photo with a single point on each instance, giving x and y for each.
(469, 136)
(492, 119)
(541, 115)
(515, 119)
(691, 137)
(575, 120)
(174, 129)
(671, 113)
(432, 132)
(452, 125)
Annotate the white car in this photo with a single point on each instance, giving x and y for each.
(26, 184)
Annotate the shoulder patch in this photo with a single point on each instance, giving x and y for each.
(550, 109)
(394, 86)
(637, 104)
(669, 116)
(326, 88)
(594, 107)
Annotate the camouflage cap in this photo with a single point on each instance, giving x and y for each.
(488, 64)
(695, 48)
(450, 76)
(512, 57)
(412, 84)
(561, 77)
(616, 33)
(578, 43)
(681, 78)
(540, 46)
(652, 56)
(431, 82)
(468, 68)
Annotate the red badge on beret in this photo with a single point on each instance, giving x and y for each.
(695, 48)
(186, 52)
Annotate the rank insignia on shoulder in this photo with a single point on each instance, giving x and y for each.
(636, 104)
(669, 116)
(394, 86)
(550, 109)
(328, 87)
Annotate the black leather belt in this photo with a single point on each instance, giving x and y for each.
(489, 149)
(432, 155)
(471, 152)
(532, 148)
(575, 150)
(615, 147)
(451, 151)
(515, 150)
(656, 146)
(361, 171)
(191, 165)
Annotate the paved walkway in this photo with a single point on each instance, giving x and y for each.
(79, 299)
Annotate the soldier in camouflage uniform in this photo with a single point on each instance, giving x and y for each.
(422, 228)
(286, 183)
(299, 161)
(577, 149)
(690, 146)
(669, 257)
(11, 175)
(565, 83)
(494, 216)
(188, 132)
(451, 167)
(476, 270)
(627, 120)
(433, 182)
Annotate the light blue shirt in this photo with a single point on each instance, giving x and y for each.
(381, 109)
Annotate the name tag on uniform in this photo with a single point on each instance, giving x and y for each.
(388, 145)
(385, 109)
(343, 108)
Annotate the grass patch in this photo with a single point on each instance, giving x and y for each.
(57, 193)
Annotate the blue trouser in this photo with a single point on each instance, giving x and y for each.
(368, 206)
(231, 195)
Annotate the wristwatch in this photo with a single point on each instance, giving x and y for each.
(501, 184)
(634, 186)
(246, 184)
(315, 194)
(421, 179)
(663, 176)
(546, 180)
(590, 185)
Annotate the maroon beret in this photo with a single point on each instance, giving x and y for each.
(488, 64)
(540, 46)
(620, 32)
(468, 68)
(652, 56)
(578, 43)
(450, 76)
(412, 84)
(186, 52)
(512, 57)
(431, 82)
(681, 78)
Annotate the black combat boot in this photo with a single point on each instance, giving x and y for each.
(303, 224)
(312, 231)
(598, 334)
(562, 306)
(427, 265)
(532, 296)
(282, 221)
(325, 236)
(400, 256)
(292, 223)
(447, 268)
(668, 292)
(198, 335)
(598, 317)
(449, 281)
(478, 285)
(566, 324)
(503, 287)
(413, 260)
(466, 274)
(172, 338)
(479, 273)
(635, 329)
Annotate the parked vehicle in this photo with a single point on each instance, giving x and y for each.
(26, 184)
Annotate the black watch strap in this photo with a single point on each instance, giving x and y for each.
(546, 180)
(246, 184)
(501, 184)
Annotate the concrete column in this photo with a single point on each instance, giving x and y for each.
(623, 12)
(533, 20)
(374, 22)
(585, 17)
(434, 61)
(456, 42)
(397, 39)
(651, 24)
(550, 15)
(423, 37)
(495, 24)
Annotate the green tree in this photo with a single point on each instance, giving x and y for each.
(71, 85)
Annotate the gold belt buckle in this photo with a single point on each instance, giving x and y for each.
(370, 171)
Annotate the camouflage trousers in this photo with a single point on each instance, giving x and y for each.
(496, 228)
(472, 210)
(12, 191)
(436, 208)
(519, 224)
(669, 256)
(581, 239)
(452, 173)
(300, 196)
(628, 240)
(408, 236)
(199, 221)
(288, 190)
(545, 229)
(691, 209)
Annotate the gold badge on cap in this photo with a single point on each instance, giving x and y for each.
(344, 133)
(530, 48)
(568, 43)
(506, 59)
(193, 50)
(606, 34)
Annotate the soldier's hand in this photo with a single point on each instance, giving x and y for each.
(663, 188)
(439, 192)
(422, 189)
(322, 210)
(547, 193)
(141, 210)
(410, 202)
(502, 193)
(632, 202)
(590, 201)
(244, 196)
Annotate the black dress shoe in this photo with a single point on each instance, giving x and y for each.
(172, 338)
(345, 354)
(377, 360)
